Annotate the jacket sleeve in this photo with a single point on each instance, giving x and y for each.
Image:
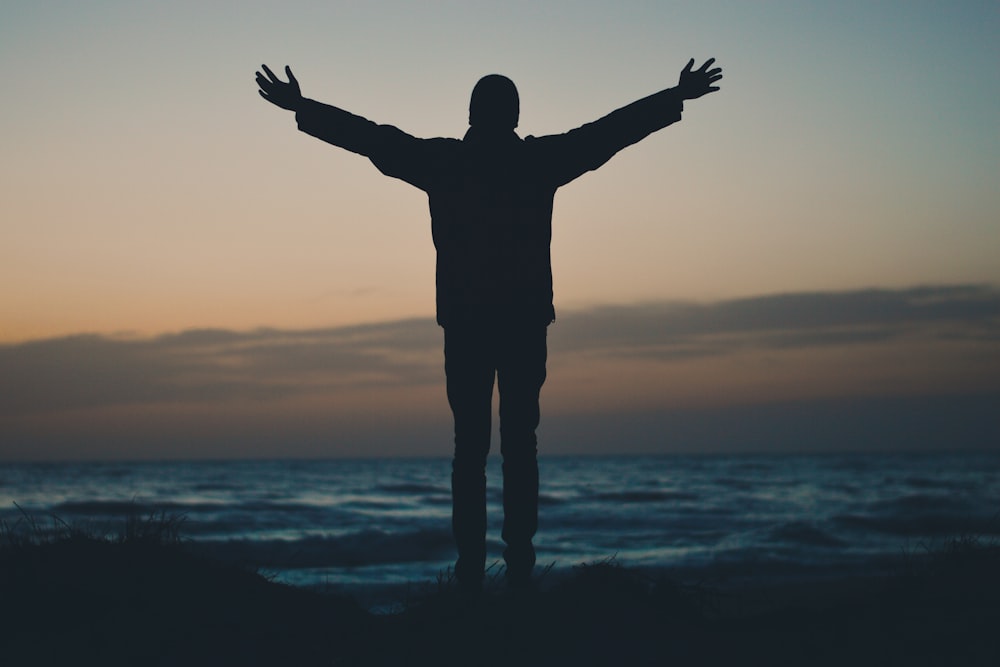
(393, 151)
(567, 156)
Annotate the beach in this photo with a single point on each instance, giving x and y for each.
(146, 599)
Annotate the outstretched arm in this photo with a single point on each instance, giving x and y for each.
(329, 123)
(636, 121)
(322, 121)
(639, 119)
(590, 146)
(393, 151)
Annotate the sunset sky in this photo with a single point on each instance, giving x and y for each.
(810, 260)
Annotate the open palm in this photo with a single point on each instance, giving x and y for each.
(274, 90)
(696, 83)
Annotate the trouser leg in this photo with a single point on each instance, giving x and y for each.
(521, 373)
(470, 374)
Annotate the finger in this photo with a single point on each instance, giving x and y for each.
(291, 77)
(713, 79)
(708, 63)
(687, 68)
(270, 74)
(264, 83)
(713, 72)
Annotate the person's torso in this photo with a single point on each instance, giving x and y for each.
(491, 211)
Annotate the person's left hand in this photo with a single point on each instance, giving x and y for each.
(694, 84)
(277, 92)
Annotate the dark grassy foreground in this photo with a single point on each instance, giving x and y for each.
(141, 598)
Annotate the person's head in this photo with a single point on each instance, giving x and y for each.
(494, 105)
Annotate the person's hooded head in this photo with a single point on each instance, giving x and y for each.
(494, 106)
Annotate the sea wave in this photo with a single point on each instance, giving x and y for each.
(133, 507)
(799, 532)
(326, 518)
(645, 496)
(356, 549)
(927, 525)
(410, 487)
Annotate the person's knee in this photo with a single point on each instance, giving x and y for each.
(517, 432)
(469, 462)
(519, 453)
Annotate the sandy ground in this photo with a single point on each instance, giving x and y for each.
(82, 601)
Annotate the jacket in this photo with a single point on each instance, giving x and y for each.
(490, 197)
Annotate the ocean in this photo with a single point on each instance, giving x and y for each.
(372, 528)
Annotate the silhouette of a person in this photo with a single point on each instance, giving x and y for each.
(490, 196)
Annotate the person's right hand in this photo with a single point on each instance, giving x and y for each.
(277, 92)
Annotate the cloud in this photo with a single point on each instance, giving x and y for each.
(784, 321)
(211, 364)
(206, 365)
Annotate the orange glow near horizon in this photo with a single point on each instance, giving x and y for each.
(380, 391)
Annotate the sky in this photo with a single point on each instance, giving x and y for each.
(806, 262)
